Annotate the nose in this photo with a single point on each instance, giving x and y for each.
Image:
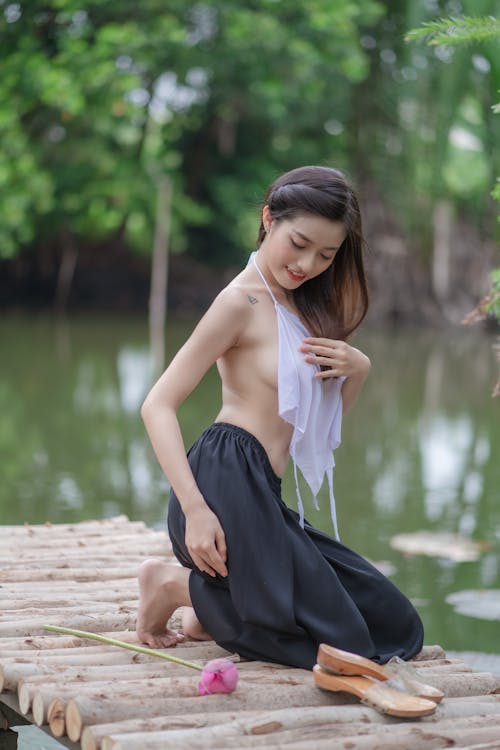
(305, 263)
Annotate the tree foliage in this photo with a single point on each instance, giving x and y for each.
(98, 101)
(101, 98)
(452, 30)
(460, 31)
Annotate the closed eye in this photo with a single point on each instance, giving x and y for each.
(299, 247)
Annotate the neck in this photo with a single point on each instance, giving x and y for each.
(282, 295)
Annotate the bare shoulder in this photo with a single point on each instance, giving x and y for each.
(235, 311)
(238, 297)
(227, 317)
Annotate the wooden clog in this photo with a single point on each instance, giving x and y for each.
(399, 674)
(376, 694)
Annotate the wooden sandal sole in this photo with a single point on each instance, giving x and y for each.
(384, 699)
(340, 662)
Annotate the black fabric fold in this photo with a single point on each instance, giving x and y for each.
(288, 589)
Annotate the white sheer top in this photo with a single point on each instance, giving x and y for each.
(313, 406)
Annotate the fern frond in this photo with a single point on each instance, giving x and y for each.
(456, 30)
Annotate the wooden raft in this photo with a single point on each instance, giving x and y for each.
(92, 696)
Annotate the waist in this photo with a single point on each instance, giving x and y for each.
(273, 434)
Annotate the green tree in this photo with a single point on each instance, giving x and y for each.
(96, 98)
(81, 93)
(457, 31)
(426, 136)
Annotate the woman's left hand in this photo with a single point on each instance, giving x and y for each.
(338, 357)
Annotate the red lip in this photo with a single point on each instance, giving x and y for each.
(294, 277)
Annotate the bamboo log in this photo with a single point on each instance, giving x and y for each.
(355, 736)
(80, 527)
(114, 690)
(69, 574)
(37, 558)
(71, 609)
(44, 588)
(13, 669)
(119, 542)
(313, 722)
(25, 694)
(82, 712)
(203, 650)
(105, 541)
(131, 691)
(47, 655)
(58, 642)
(61, 600)
(45, 698)
(430, 652)
(56, 717)
(438, 663)
(12, 564)
(26, 688)
(443, 669)
(462, 684)
(46, 556)
(27, 677)
(273, 722)
(102, 655)
(92, 735)
(34, 626)
(454, 733)
(60, 592)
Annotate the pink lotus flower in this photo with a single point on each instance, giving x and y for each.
(218, 676)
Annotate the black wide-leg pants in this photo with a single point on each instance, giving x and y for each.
(288, 588)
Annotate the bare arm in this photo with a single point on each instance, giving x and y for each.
(217, 332)
(340, 359)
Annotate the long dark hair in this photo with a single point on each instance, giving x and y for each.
(334, 303)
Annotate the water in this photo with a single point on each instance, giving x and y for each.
(420, 449)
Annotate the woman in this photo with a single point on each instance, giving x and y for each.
(255, 576)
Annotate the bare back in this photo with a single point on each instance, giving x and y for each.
(249, 372)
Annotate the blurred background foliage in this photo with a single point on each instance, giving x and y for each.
(100, 100)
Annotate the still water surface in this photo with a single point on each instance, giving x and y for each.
(420, 449)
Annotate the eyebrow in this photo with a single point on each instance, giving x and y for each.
(310, 241)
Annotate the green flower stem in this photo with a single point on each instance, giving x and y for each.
(121, 644)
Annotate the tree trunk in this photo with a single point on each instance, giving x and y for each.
(441, 257)
(159, 274)
(66, 271)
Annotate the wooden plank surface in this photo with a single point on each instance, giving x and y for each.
(85, 576)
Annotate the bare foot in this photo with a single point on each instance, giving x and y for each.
(193, 627)
(162, 589)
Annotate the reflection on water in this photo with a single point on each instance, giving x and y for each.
(420, 450)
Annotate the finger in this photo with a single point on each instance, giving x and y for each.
(202, 565)
(327, 374)
(325, 361)
(318, 350)
(218, 563)
(220, 543)
(317, 341)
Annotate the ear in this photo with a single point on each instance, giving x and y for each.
(267, 219)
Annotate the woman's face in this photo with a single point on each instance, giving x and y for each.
(296, 250)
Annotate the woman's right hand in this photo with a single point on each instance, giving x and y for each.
(205, 541)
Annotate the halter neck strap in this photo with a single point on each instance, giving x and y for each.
(263, 279)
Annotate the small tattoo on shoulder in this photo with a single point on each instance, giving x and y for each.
(252, 300)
